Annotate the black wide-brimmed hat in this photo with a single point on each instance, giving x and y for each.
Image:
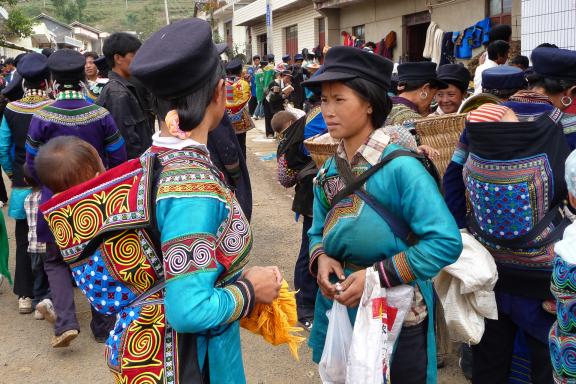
(554, 63)
(454, 73)
(67, 64)
(34, 67)
(178, 59)
(346, 63)
(234, 65)
(420, 71)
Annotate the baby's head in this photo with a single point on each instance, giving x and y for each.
(281, 121)
(571, 177)
(66, 161)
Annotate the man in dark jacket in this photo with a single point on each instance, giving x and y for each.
(122, 98)
(280, 90)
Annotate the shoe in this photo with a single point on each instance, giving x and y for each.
(25, 305)
(46, 308)
(38, 315)
(64, 339)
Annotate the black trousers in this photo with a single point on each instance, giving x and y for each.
(305, 284)
(268, 118)
(23, 275)
(252, 105)
(3, 193)
(242, 140)
(493, 356)
(410, 360)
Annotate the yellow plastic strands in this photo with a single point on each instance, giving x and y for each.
(276, 322)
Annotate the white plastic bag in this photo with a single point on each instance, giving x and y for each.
(332, 365)
(377, 326)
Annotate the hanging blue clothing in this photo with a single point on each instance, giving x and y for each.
(471, 38)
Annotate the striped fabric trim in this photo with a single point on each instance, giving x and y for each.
(487, 113)
(315, 252)
(395, 270)
(243, 294)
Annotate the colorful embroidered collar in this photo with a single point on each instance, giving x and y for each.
(371, 150)
(70, 95)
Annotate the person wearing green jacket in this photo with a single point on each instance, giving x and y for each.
(259, 81)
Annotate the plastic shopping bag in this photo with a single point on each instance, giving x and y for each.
(332, 365)
(378, 324)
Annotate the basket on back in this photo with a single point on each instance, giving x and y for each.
(321, 148)
(441, 133)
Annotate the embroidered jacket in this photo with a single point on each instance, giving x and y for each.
(406, 189)
(237, 97)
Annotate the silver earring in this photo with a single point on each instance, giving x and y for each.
(423, 94)
(566, 101)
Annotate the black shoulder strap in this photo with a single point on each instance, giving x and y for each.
(358, 182)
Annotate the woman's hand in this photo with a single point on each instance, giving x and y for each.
(427, 151)
(352, 289)
(326, 267)
(266, 282)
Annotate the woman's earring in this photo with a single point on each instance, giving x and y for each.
(566, 101)
(370, 110)
(423, 94)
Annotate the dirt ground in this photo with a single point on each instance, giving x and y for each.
(27, 357)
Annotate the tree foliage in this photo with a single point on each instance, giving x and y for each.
(18, 23)
(69, 10)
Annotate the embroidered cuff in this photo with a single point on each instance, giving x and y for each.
(243, 293)
(315, 252)
(395, 271)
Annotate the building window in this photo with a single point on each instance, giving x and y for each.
(291, 41)
(359, 31)
(500, 11)
(262, 46)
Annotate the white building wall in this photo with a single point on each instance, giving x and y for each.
(548, 21)
(305, 19)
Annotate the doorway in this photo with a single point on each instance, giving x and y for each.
(415, 27)
(262, 46)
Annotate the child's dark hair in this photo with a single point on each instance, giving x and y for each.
(74, 160)
(281, 119)
(120, 43)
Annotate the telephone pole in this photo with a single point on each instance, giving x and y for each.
(269, 27)
(166, 12)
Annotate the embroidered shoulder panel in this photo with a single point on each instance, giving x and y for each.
(30, 105)
(72, 117)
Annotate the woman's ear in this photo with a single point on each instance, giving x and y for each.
(219, 92)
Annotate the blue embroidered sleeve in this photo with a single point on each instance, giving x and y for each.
(114, 142)
(439, 241)
(190, 219)
(6, 147)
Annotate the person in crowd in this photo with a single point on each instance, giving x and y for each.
(503, 81)
(237, 97)
(103, 69)
(47, 52)
(9, 69)
(199, 306)
(417, 86)
(508, 157)
(252, 69)
(281, 122)
(498, 32)
(287, 60)
(279, 91)
(44, 308)
(521, 62)
(70, 115)
(121, 97)
(299, 74)
(269, 78)
(226, 154)
(90, 68)
(13, 131)
(458, 79)
(260, 87)
(354, 105)
(497, 55)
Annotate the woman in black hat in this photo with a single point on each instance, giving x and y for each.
(417, 86)
(458, 78)
(205, 237)
(354, 232)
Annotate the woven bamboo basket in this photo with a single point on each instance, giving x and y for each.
(441, 133)
(321, 148)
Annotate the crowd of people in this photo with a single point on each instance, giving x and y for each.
(153, 224)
